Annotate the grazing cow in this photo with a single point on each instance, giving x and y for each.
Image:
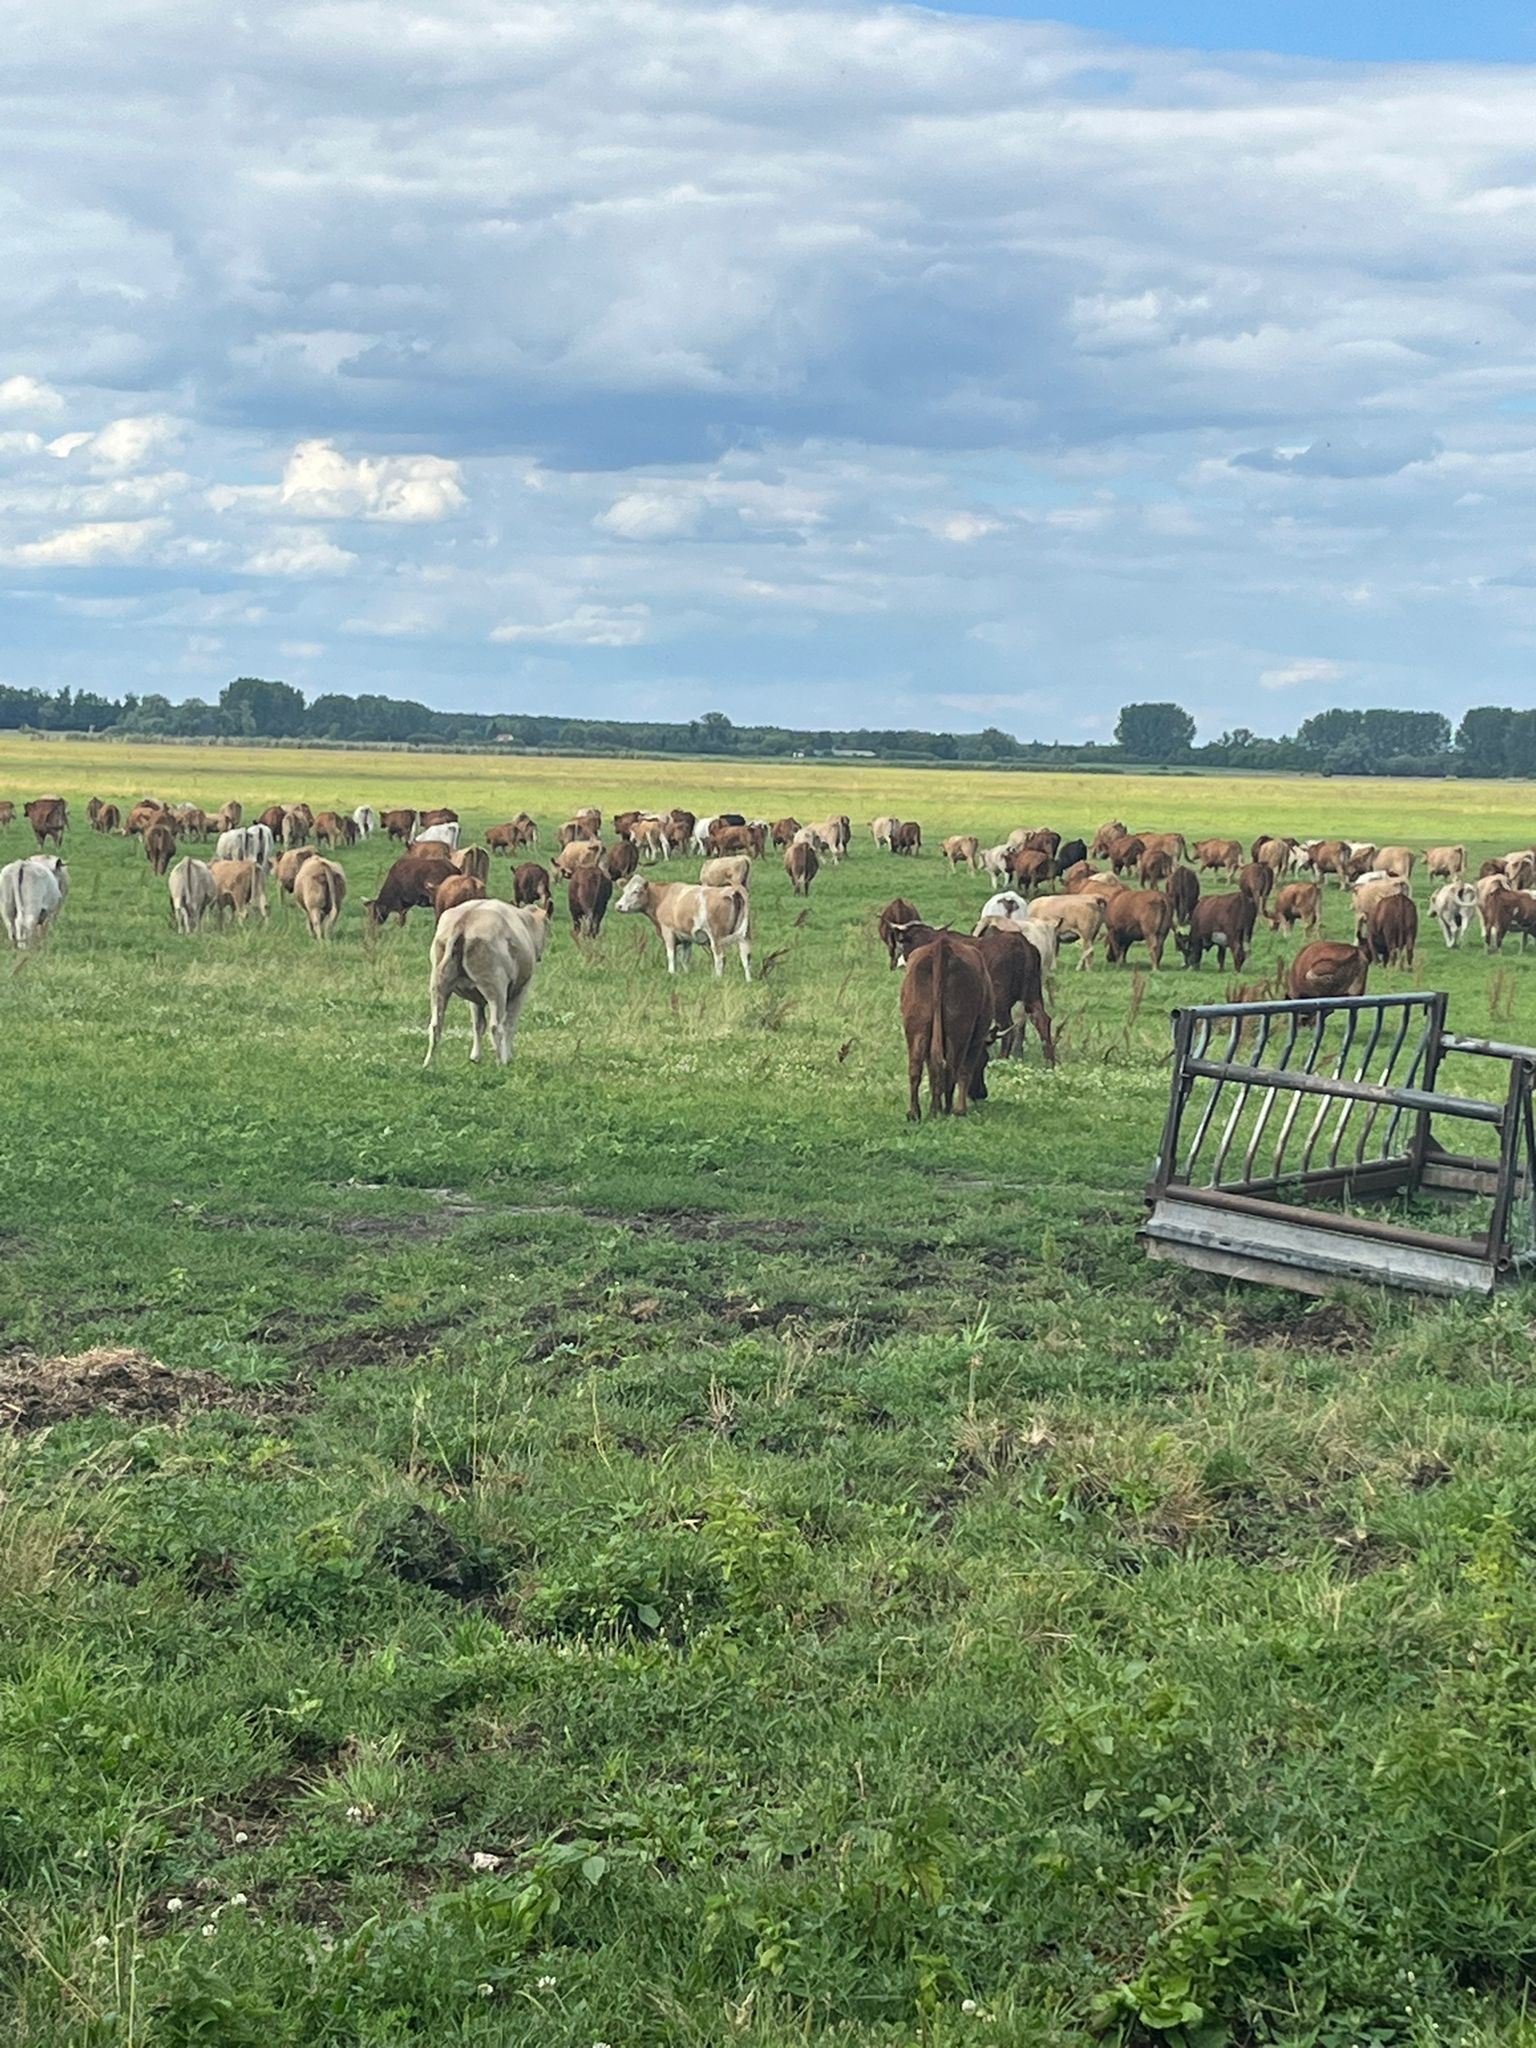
(880, 830)
(897, 912)
(1519, 869)
(570, 832)
(1325, 857)
(1030, 869)
(320, 891)
(411, 884)
(32, 893)
(683, 913)
(530, 885)
(526, 830)
(230, 815)
(1453, 903)
(1137, 915)
(1070, 917)
(1214, 854)
(947, 1010)
(1007, 911)
(192, 821)
(1276, 854)
(724, 838)
(621, 860)
(907, 838)
(577, 853)
(473, 860)
(487, 953)
(993, 862)
(455, 889)
(588, 896)
(1183, 894)
(193, 893)
(1070, 852)
(784, 830)
(801, 865)
(649, 836)
(1105, 887)
(1106, 837)
(328, 829)
(1297, 903)
(1505, 911)
(1256, 879)
(1039, 839)
(1445, 863)
(108, 818)
(1172, 843)
(1155, 866)
(1325, 969)
(1360, 859)
(296, 826)
(1126, 852)
(290, 865)
(624, 822)
(271, 817)
(399, 824)
(1016, 966)
(729, 871)
(48, 816)
(1223, 922)
(160, 846)
(962, 850)
(1392, 931)
(241, 889)
(366, 819)
(444, 833)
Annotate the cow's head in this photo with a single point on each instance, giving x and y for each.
(635, 894)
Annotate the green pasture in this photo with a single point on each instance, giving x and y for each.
(647, 1548)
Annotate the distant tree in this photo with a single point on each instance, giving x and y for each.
(266, 710)
(1154, 732)
(1482, 740)
(1326, 730)
(713, 733)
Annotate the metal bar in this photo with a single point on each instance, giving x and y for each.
(1305, 1005)
(1354, 1226)
(1383, 1079)
(1269, 1099)
(1321, 1117)
(1234, 1044)
(1360, 1073)
(1498, 1222)
(1424, 1053)
(1382, 1176)
(1319, 1026)
(1358, 1091)
(1487, 1048)
(1168, 1152)
(1434, 1041)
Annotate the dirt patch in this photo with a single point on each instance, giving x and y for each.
(36, 1392)
(349, 1350)
(1330, 1326)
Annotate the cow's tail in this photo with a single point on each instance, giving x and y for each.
(936, 1050)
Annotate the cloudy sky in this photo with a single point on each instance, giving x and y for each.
(829, 363)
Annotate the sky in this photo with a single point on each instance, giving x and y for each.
(825, 364)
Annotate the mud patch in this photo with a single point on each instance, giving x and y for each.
(350, 1350)
(36, 1392)
(1331, 1326)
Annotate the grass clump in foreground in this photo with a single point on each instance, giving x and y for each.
(647, 1548)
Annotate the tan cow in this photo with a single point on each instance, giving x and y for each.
(1446, 863)
(193, 893)
(230, 816)
(683, 915)
(1137, 914)
(801, 865)
(1071, 917)
(1214, 854)
(320, 891)
(880, 830)
(727, 871)
(487, 953)
(1297, 903)
(963, 850)
(577, 853)
(241, 889)
(1106, 837)
(1396, 860)
(289, 865)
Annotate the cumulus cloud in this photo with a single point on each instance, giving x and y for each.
(319, 482)
(299, 554)
(589, 625)
(82, 547)
(27, 394)
(121, 444)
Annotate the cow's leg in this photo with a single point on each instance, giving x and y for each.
(669, 941)
(1042, 1023)
(512, 1011)
(1155, 949)
(914, 1080)
(717, 954)
(435, 1021)
(477, 1004)
(743, 947)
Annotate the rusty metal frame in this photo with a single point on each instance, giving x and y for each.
(1288, 1104)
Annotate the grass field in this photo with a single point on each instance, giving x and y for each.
(649, 1548)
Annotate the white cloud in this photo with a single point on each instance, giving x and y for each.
(121, 444)
(300, 650)
(299, 554)
(589, 625)
(319, 482)
(80, 547)
(26, 394)
(960, 527)
(1293, 675)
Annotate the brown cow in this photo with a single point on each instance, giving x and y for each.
(735, 839)
(441, 816)
(1222, 922)
(1126, 852)
(530, 885)
(502, 838)
(328, 830)
(784, 830)
(160, 845)
(1030, 868)
(1324, 969)
(895, 914)
(1183, 894)
(411, 884)
(7, 812)
(621, 860)
(1508, 910)
(1219, 853)
(1256, 880)
(240, 889)
(1155, 866)
(1015, 968)
(1105, 837)
(472, 860)
(801, 866)
(285, 871)
(624, 822)
(947, 1013)
(907, 838)
(230, 815)
(93, 811)
(271, 817)
(1392, 931)
(1328, 857)
(399, 824)
(141, 816)
(588, 895)
(456, 888)
(1137, 914)
(109, 818)
(48, 816)
(1297, 903)
(577, 853)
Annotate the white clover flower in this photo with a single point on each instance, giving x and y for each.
(484, 1990)
(239, 1899)
(546, 1984)
(968, 2005)
(175, 1905)
(241, 1836)
(103, 1941)
(208, 1927)
(354, 1813)
(484, 1860)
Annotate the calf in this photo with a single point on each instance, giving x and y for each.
(801, 865)
(683, 913)
(320, 891)
(1137, 915)
(897, 912)
(1453, 904)
(7, 813)
(947, 1011)
(32, 893)
(193, 893)
(487, 953)
(530, 885)
(1297, 903)
(1223, 922)
(588, 895)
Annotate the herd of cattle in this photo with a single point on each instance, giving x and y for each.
(961, 994)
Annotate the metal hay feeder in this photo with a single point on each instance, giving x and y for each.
(1285, 1117)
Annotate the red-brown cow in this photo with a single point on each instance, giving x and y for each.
(530, 885)
(1223, 922)
(411, 884)
(588, 895)
(1137, 914)
(946, 1014)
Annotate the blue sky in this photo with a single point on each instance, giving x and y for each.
(822, 362)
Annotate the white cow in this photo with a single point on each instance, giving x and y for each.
(702, 828)
(1455, 906)
(246, 842)
(32, 894)
(486, 952)
(193, 889)
(683, 913)
(440, 835)
(994, 861)
(366, 819)
(1009, 912)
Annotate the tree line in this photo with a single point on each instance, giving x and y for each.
(1489, 741)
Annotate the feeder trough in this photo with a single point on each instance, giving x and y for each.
(1307, 1143)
